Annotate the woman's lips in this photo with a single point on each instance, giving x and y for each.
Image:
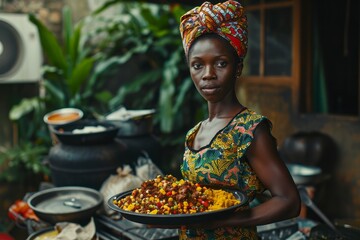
(209, 90)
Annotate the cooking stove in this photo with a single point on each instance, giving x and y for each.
(111, 228)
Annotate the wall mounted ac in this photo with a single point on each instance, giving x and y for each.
(20, 49)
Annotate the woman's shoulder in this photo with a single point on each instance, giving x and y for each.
(248, 120)
(249, 117)
(193, 129)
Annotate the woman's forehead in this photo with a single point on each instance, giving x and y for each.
(210, 46)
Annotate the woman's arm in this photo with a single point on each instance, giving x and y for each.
(264, 158)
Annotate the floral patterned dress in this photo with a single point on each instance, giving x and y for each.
(223, 163)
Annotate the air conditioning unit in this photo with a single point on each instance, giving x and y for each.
(20, 49)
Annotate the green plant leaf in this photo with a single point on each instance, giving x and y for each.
(79, 75)
(167, 91)
(56, 93)
(136, 86)
(67, 27)
(105, 65)
(74, 44)
(182, 91)
(165, 106)
(178, 11)
(26, 106)
(50, 45)
(20, 159)
(105, 6)
(103, 96)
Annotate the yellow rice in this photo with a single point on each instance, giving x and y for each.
(221, 198)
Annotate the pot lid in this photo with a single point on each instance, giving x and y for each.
(62, 200)
(123, 114)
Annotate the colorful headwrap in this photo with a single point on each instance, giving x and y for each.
(225, 19)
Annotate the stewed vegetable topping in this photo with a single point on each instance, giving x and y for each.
(167, 195)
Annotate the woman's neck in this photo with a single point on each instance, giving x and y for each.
(221, 111)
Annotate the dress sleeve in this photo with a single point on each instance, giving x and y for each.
(246, 127)
(249, 182)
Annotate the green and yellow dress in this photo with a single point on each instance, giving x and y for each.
(223, 163)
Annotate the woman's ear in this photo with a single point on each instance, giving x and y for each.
(239, 68)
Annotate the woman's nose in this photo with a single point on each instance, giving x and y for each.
(209, 73)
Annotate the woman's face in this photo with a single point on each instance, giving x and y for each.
(213, 68)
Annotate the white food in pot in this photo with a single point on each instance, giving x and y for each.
(89, 129)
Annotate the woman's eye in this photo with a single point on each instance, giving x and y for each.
(196, 66)
(221, 64)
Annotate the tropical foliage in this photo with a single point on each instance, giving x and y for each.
(144, 40)
(66, 83)
(150, 35)
(141, 41)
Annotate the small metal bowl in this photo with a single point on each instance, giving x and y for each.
(63, 116)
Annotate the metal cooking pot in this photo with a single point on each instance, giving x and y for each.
(66, 204)
(132, 122)
(303, 174)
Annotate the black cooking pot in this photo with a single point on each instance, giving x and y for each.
(66, 133)
(84, 159)
(84, 165)
(311, 149)
(66, 204)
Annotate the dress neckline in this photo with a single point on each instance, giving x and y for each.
(216, 134)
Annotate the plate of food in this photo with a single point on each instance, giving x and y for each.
(166, 201)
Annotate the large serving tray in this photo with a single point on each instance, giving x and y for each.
(175, 219)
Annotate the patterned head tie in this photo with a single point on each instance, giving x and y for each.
(226, 19)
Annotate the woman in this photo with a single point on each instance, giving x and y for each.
(233, 147)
